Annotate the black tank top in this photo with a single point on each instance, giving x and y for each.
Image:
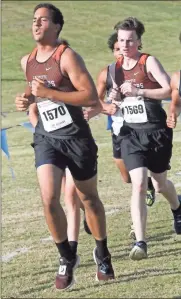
(156, 115)
(51, 73)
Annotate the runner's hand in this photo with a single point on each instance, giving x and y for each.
(110, 108)
(38, 88)
(172, 120)
(128, 89)
(86, 114)
(21, 102)
(89, 113)
(115, 94)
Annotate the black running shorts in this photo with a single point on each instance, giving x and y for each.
(79, 155)
(145, 148)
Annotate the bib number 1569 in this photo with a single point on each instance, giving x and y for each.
(134, 109)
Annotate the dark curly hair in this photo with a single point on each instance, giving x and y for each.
(131, 23)
(113, 38)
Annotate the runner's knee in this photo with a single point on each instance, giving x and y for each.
(139, 188)
(50, 202)
(71, 201)
(91, 201)
(160, 187)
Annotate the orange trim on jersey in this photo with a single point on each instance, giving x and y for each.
(58, 53)
(142, 60)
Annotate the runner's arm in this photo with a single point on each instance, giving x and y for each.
(28, 93)
(101, 90)
(158, 73)
(23, 100)
(73, 66)
(33, 114)
(107, 108)
(175, 105)
(24, 61)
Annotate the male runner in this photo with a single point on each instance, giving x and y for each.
(145, 139)
(60, 84)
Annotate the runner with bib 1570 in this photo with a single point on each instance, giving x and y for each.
(60, 85)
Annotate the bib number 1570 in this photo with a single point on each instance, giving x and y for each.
(54, 113)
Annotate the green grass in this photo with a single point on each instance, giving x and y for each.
(31, 274)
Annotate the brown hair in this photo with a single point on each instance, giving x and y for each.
(131, 23)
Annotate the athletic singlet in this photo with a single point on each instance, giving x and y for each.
(139, 112)
(56, 119)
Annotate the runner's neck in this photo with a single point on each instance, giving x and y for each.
(45, 52)
(47, 47)
(130, 62)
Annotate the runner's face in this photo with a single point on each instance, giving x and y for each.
(128, 42)
(43, 28)
(116, 50)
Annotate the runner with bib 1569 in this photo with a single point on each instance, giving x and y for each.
(105, 86)
(146, 141)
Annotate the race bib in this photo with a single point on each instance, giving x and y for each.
(134, 110)
(54, 116)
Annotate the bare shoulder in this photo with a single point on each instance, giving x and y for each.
(176, 76)
(175, 80)
(103, 74)
(70, 57)
(104, 71)
(72, 66)
(24, 60)
(156, 69)
(152, 61)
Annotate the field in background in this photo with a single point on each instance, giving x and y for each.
(30, 259)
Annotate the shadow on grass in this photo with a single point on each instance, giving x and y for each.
(158, 221)
(120, 246)
(175, 252)
(169, 243)
(40, 287)
(124, 278)
(115, 255)
(120, 278)
(37, 273)
(161, 236)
